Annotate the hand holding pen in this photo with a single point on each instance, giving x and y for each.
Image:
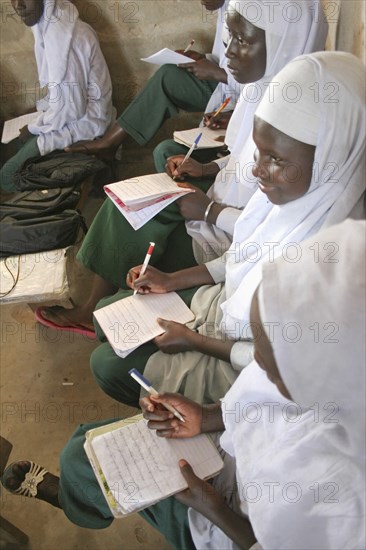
(191, 149)
(144, 383)
(211, 120)
(150, 250)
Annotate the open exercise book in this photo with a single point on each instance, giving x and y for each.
(132, 321)
(135, 468)
(12, 127)
(167, 56)
(210, 138)
(140, 199)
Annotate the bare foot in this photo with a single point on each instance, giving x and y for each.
(78, 316)
(96, 147)
(104, 147)
(47, 489)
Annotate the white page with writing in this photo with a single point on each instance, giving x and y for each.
(12, 127)
(141, 468)
(138, 218)
(167, 56)
(209, 139)
(132, 321)
(143, 189)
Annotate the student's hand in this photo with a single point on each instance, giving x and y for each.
(190, 168)
(200, 495)
(24, 135)
(192, 54)
(193, 205)
(165, 423)
(153, 280)
(221, 121)
(176, 338)
(205, 70)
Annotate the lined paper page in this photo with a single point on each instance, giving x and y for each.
(167, 56)
(141, 468)
(130, 322)
(12, 127)
(144, 188)
(209, 139)
(138, 218)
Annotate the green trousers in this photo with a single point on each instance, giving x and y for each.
(168, 90)
(111, 371)
(111, 246)
(84, 504)
(7, 172)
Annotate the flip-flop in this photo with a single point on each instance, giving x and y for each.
(78, 329)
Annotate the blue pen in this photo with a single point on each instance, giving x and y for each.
(191, 149)
(148, 387)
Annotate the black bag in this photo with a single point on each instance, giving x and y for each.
(36, 221)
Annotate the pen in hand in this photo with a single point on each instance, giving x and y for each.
(191, 149)
(189, 46)
(146, 262)
(136, 375)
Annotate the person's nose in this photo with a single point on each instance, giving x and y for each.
(230, 49)
(259, 170)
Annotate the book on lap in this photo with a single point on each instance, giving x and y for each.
(210, 138)
(167, 56)
(140, 199)
(12, 127)
(135, 468)
(130, 322)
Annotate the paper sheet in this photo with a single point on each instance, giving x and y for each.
(138, 218)
(167, 56)
(12, 127)
(130, 322)
(142, 190)
(140, 468)
(210, 138)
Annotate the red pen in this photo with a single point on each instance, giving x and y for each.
(150, 250)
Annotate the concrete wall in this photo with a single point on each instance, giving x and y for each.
(129, 30)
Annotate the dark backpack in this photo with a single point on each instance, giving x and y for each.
(40, 220)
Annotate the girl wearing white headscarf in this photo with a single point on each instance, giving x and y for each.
(294, 455)
(336, 127)
(78, 104)
(291, 29)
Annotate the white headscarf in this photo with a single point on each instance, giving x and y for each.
(291, 29)
(264, 230)
(312, 451)
(52, 40)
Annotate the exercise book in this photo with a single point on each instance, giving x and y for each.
(135, 468)
(132, 321)
(140, 199)
(209, 140)
(167, 57)
(12, 127)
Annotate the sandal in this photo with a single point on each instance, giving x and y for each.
(28, 486)
(70, 327)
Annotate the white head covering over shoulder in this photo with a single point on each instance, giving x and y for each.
(291, 29)
(337, 125)
(300, 466)
(52, 42)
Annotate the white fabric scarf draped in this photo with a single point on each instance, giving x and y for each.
(50, 38)
(312, 451)
(336, 188)
(302, 30)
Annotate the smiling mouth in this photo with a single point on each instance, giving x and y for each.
(265, 188)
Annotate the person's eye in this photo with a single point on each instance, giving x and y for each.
(242, 41)
(275, 159)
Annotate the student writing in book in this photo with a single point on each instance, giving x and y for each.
(188, 87)
(298, 194)
(110, 258)
(71, 64)
(293, 423)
